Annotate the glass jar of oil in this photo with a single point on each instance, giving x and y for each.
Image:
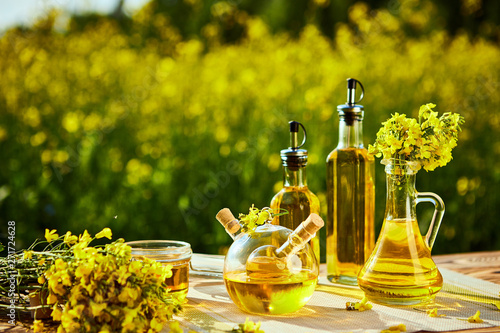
(350, 196)
(295, 197)
(278, 280)
(175, 253)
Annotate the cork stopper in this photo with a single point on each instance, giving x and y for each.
(309, 227)
(227, 219)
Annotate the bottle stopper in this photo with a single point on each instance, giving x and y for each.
(294, 157)
(227, 219)
(351, 111)
(309, 227)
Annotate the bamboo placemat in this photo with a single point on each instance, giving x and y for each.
(210, 309)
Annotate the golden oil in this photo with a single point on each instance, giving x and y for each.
(270, 296)
(271, 262)
(351, 198)
(259, 268)
(174, 253)
(295, 197)
(300, 202)
(350, 230)
(401, 270)
(179, 281)
(272, 269)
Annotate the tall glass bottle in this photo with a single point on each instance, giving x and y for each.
(295, 196)
(350, 196)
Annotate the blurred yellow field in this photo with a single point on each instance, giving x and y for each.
(152, 136)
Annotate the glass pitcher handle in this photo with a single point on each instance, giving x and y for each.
(430, 237)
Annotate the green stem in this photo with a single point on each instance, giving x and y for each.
(44, 306)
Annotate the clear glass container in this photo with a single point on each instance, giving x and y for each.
(262, 285)
(400, 270)
(295, 197)
(168, 252)
(350, 231)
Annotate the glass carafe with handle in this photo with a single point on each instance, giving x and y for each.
(400, 270)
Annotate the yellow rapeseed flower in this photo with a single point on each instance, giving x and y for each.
(130, 314)
(56, 312)
(83, 270)
(84, 238)
(60, 265)
(69, 238)
(428, 141)
(98, 297)
(254, 218)
(434, 313)
(363, 305)
(38, 325)
(97, 308)
(69, 321)
(475, 318)
(56, 288)
(52, 299)
(129, 295)
(400, 327)
(106, 232)
(51, 235)
(27, 255)
(123, 275)
(71, 122)
(249, 327)
(395, 329)
(158, 326)
(105, 329)
(104, 289)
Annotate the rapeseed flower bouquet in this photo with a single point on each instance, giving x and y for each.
(428, 140)
(97, 289)
(257, 217)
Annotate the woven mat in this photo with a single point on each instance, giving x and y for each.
(210, 309)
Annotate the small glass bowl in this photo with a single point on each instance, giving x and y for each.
(175, 253)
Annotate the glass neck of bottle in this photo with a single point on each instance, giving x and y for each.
(293, 245)
(350, 133)
(294, 176)
(401, 195)
(235, 234)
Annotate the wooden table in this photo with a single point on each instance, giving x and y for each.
(481, 265)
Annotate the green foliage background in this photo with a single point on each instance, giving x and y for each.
(150, 125)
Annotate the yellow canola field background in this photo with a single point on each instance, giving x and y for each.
(152, 136)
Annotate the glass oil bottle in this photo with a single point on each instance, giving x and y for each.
(271, 269)
(279, 279)
(295, 197)
(350, 195)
